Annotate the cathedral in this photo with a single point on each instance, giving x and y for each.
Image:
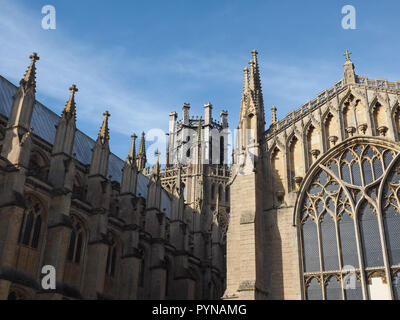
(110, 228)
(315, 207)
(306, 208)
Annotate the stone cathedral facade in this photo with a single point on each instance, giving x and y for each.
(315, 207)
(111, 228)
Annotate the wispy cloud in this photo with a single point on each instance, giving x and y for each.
(140, 91)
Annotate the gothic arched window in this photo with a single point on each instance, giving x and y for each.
(111, 258)
(349, 219)
(221, 150)
(77, 241)
(30, 235)
(31, 226)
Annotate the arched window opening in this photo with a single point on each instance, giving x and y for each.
(220, 192)
(78, 189)
(227, 190)
(221, 150)
(212, 191)
(396, 116)
(331, 131)
(341, 223)
(142, 269)
(38, 166)
(296, 162)
(314, 290)
(380, 121)
(210, 151)
(167, 277)
(333, 289)
(30, 236)
(31, 226)
(313, 145)
(76, 241)
(111, 259)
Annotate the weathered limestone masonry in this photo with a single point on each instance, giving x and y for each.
(197, 169)
(264, 250)
(108, 226)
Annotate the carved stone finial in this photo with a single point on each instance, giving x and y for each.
(347, 54)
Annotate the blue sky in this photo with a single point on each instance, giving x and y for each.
(143, 59)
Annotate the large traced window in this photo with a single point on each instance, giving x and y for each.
(349, 223)
(30, 235)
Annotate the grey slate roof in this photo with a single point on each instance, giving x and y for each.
(44, 121)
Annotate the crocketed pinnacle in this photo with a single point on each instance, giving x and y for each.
(142, 145)
(104, 134)
(29, 80)
(70, 108)
(132, 151)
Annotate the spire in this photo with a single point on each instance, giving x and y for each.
(254, 81)
(141, 155)
(142, 146)
(104, 134)
(70, 108)
(245, 81)
(132, 151)
(349, 74)
(156, 167)
(29, 80)
(200, 126)
(273, 110)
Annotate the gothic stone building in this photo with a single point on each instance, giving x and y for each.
(111, 228)
(315, 209)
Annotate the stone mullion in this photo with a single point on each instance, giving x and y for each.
(388, 113)
(304, 285)
(357, 235)
(369, 120)
(360, 257)
(382, 228)
(339, 255)
(320, 258)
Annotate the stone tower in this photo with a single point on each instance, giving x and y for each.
(245, 260)
(197, 156)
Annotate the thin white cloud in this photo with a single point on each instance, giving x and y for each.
(114, 78)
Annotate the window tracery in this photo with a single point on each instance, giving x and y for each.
(349, 217)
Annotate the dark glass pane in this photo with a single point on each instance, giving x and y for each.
(378, 170)
(79, 249)
(345, 173)
(323, 178)
(396, 286)
(348, 156)
(334, 168)
(28, 228)
(329, 247)
(367, 172)
(108, 260)
(315, 189)
(358, 150)
(369, 152)
(356, 174)
(314, 290)
(113, 261)
(391, 222)
(12, 296)
(310, 246)
(354, 293)
(36, 232)
(333, 289)
(348, 241)
(370, 237)
(387, 158)
(21, 228)
(71, 248)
